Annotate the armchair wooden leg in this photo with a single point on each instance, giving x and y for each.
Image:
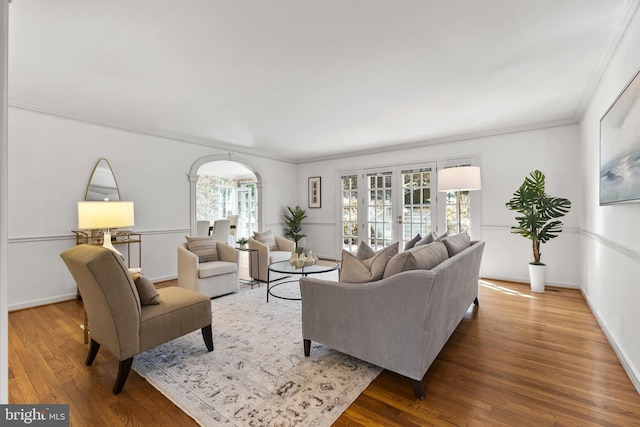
(93, 350)
(207, 334)
(418, 389)
(307, 347)
(123, 372)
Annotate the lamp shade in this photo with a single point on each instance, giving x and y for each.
(94, 215)
(462, 178)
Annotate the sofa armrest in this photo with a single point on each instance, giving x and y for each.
(284, 244)
(187, 267)
(227, 253)
(381, 322)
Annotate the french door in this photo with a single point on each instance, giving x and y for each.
(384, 205)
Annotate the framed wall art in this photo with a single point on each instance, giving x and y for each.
(620, 147)
(315, 192)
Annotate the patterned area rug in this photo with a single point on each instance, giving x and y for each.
(258, 374)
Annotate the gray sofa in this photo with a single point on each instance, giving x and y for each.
(400, 322)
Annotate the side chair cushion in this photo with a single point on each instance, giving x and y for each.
(216, 268)
(204, 247)
(355, 270)
(180, 311)
(266, 237)
(146, 290)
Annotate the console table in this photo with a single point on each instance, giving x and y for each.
(120, 238)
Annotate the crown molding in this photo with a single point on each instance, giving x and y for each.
(627, 14)
(39, 109)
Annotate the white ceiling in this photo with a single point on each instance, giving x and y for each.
(302, 79)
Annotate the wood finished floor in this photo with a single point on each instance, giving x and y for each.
(519, 359)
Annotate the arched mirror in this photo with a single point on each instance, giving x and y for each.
(102, 184)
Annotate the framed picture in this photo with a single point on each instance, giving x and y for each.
(620, 147)
(315, 193)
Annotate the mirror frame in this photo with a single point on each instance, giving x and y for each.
(102, 167)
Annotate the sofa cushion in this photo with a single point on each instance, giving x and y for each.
(364, 251)
(411, 243)
(429, 238)
(429, 256)
(266, 238)
(457, 243)
(356, 270)
(147, 291)
(204, 247)
(216, 268)
(423, 257)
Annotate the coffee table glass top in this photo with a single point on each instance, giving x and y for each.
(319, 267)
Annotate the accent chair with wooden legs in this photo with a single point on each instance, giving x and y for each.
(117, 319)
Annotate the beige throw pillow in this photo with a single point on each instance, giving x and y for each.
(364, 251)
(266, 237)
(146, 290)
(355, 270)
(204, 247)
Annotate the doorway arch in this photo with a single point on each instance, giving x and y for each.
(193, 180)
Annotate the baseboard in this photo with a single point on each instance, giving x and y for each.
(526, 280)
(43, 301)
(634, 375)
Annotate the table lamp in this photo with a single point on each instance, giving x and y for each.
(105, 215)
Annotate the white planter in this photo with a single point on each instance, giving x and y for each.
(537, 277)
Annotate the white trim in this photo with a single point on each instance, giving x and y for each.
(634, 375)
(4, 190)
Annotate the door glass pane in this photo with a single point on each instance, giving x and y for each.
(350, 213)
(380, 220)
(416, 211)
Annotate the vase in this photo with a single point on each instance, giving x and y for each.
(293, 258)
(300, 261)
(537, 277)
(311, 258)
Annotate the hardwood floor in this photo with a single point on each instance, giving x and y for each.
(519, 359)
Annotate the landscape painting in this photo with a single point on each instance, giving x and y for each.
(620, 148)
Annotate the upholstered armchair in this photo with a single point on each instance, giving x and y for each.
(201, 271)
(270, 250)
(119, 321)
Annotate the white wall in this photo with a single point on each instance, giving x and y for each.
(610, 238)
(505, 160)
(50, 162)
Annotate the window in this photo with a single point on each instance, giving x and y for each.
(349, 185)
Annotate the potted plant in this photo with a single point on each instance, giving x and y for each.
(242, 242)
(537, 221)
(293, 220)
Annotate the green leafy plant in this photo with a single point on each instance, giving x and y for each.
(242, 241)
(293, 220)
(539, 212)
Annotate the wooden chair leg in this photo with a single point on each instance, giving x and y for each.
(207, 334)
(418, 389)
(123, 372)
(307, 347)
(93, 350)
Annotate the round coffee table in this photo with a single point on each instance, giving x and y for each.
(286, 268)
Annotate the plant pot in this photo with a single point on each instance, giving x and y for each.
(243, 246)
(537, 277)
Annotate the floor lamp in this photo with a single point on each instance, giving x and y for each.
(459, 178)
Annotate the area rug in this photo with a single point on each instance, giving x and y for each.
(257, 374)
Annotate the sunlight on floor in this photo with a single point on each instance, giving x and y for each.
(504, 290)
